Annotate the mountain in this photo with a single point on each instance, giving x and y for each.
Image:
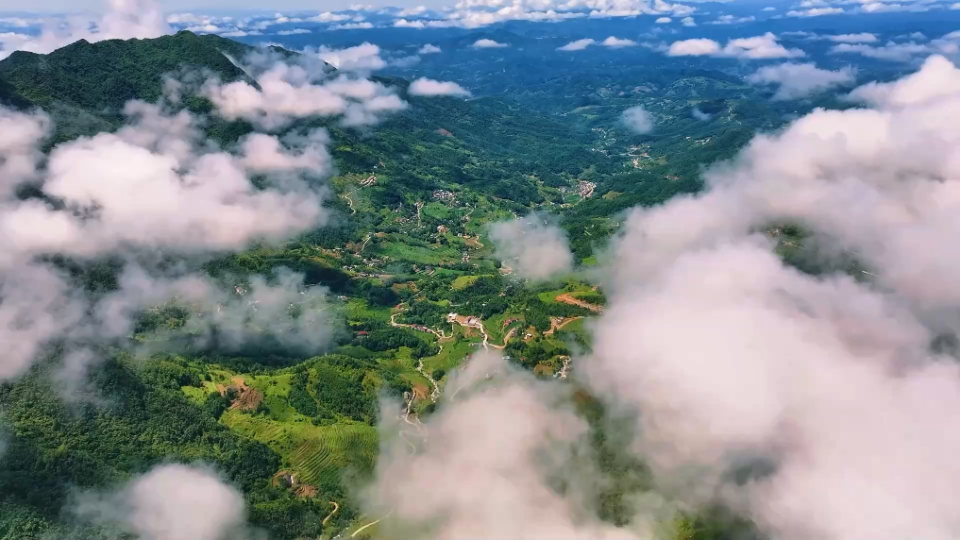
(444, 168)
(412, 199)
(105, 75)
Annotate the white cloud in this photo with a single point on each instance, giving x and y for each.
(688, 21)
(125, 19)
(694, 47)
(290, 91)
(488, 44)
(533, 248)
(753, 48)
(730, 19)
(826, 378)
(366, 25)
(429, 87)
(363, 57)
(801, 80)
(900, 52)
(478, 13)
(700, 115)
(293, 32)
(429, 49)
(171, 502)
(329, 16)
(155, 185)
(663, 20)
(406, 12)
(938, 78)
(488, 462)
(403, 23)
(815, 12)
(769, 8)
(853, 38)
(617, 43)
(577, 45)
(638, 119)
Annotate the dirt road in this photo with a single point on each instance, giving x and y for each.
(566, 298)
(330, 515)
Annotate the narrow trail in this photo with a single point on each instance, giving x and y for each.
(554, 326)
(566, 298)
(506, 338)
(350, 203)
(372, 523)
(365, 240)
(419, 205)
(330, 515)
(435, 393)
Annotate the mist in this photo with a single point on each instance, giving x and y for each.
(532, 246)
(809, 402)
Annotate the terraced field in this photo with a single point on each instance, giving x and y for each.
(317, 454)
(322, 460)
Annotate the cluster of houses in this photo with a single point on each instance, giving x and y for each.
(464, 320)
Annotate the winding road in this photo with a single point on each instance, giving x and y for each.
(330, 515)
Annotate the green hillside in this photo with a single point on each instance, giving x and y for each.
(404, 252)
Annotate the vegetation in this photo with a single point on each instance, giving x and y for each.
(463, 165)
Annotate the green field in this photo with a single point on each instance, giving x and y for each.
(433, 255)
(451, 356)
(319, 455)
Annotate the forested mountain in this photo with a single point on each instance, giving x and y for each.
(409, 244)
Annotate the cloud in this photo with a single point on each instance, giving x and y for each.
(617, 43)
(577, 45)
(366, 25)
(899, 52)
(533, 248)
(694, 47)
(289, 91)
(730, 19)
(488, 464)
(276, 312)
(406, 12)
(429, 87)
(478, 13)
(752, 48)
(638, 119)
(700, 115)
(938, 78)
(429, 49)
(124, 19)
(403, 23)
(864, 37)
(688, 21)
(663, 20)
(293, 32)
(153, 187)
(815, 12)
(797, 81)
(170, 502)
(728, 356)
(329, 16)
(364, 57)
(488, 44)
